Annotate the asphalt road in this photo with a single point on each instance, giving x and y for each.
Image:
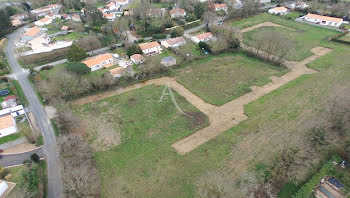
(16, 159)
(55, 185)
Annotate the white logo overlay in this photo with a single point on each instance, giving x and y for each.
(169, 92)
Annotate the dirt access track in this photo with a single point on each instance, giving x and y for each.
(223, 117)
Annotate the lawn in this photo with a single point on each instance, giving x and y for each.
(220, 79)
(346, 37)
(144, 159)
(162, 5)
(305, 37)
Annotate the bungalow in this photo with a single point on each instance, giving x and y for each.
(65, 16)
(111, 6)
(31, 34)
(323, 20)
(5, 188)
(99, 62)
(7, 125)
(174, 42)
(103, 10)
(220, 6)
(65, 28)
(168, 61)
(40, 44)
(16, 22)
(121, 2)
(301, 5)
(76, 18)
(109, 17)
(205, 37)
(278, 10)
(54, 16)
(9, 101)
(177, 13)
(46, 10)
(264, 1)
(329, 187)
(19, 16)
(43, 21)
(117, 72)
(137, 59)
(151, 48)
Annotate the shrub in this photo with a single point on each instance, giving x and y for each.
(204, 46)
(159, 36)
(75, 53)
(133, 49)
(78, 68)
(177, 32)
(35, 158)
(48, 67)
(31, 180)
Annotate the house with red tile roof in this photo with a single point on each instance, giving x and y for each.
(121, 2)
(151, 48)
(174, 42)
(43, 21)
(204, 37)
(99, 61)
(177, 13)
(278, 10)
(323, 20)
(117, 72)
(46, 10)
(7, 125)
(219, 6)
(109, 17)
(76, 18)
(137, 58)
(31, 34)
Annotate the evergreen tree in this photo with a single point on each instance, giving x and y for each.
(75, 54)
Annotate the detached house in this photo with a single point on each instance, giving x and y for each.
(121, 2)
(46, 10)
(76, 18)
(7, 125)
(323, 20)
(137, 59)
(278, 10)
(151, 48)
(16, 22)
(205, 37)
(117, 72)
(43, 21)
(220, 6)
(99, 62)
(31, 34)
(111, 6)
(109, 17)
(174, 42)
(177, 13)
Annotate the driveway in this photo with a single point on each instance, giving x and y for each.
(16, 159)
(55, 185)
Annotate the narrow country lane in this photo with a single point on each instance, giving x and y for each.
(55, 185)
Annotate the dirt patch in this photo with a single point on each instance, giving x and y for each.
(51, 112)
(197, 119)
(20, 148)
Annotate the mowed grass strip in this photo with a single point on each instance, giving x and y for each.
(305, 37)
(220, 79)
(147, 128)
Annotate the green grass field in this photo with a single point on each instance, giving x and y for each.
(304, 37)
(346, 37)
(147, 128)
(220, 79)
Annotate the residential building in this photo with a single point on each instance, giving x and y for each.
(76, 18)
(264, 1)
(205, 37)
(7, 125)
(278, 11)
(117, 72)
(301, 5)
(40, 44)
(156, 12)
(177, 13)
(19, 16)
(43, 21)
(151, 48)
(65, 16)
(16, 22)
(5, 188)
(121, 2)
(174, 42)
(31, 33)
(99, 62)
(329, 187)
(323, 20)
(9, 101)
(111, 6)
(168, 61)
(65, 28)
(53, 8)
(137, 58)
(220, 6)
(109, 17)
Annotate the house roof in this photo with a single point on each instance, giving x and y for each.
(110, 4)
(137, 57)
(176, 40)
(204, 35)
(45, 19)
(324, 18)
(10, 97)
(90, 62)
(32, 31)
(335, 182)
(16, 22)
(145, 46)
(121, 1)
(76, 16)
(6, 122)
(279, 8)
(177, 10)
(116, 71)
(220, 5)
(108, 15)
(65, 27)
(168, 59)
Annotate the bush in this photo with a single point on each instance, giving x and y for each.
(78, 68)
(133, 49)
(35, 158)
(75, 53)
(159, 36)
(48, 67)
(177, 32)
(31, 180)
(204, 46)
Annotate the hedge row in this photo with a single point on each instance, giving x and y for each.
(307, 189)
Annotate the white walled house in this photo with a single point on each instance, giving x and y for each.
(174, 42)
(177, 13)
(220, 6)
(109, 17)
(205, 37)
(151, 48)
(117, 72)
(7, 125)
(278, 10)
(264, 1)
(76, 18)
(43, 21)
(99, 62)
(323, 20)
(137, 59)
(121, 2)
